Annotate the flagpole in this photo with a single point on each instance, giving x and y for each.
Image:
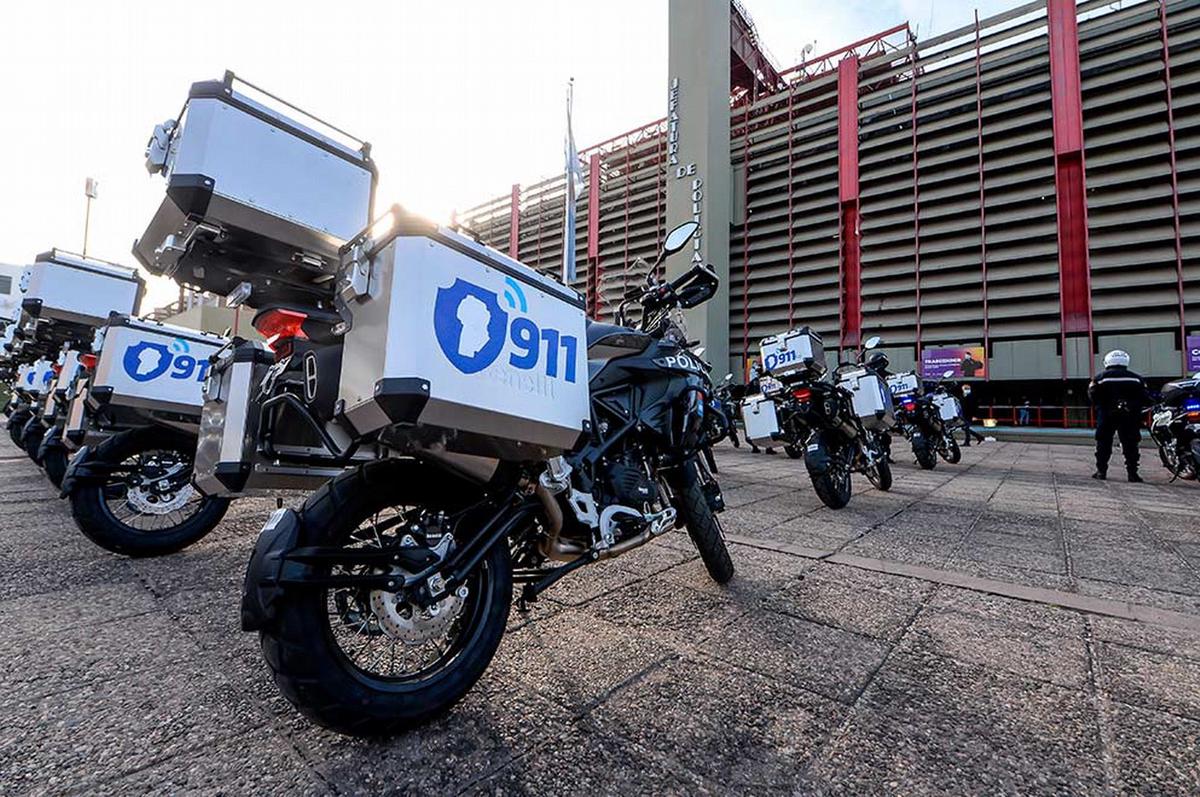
(572, 171)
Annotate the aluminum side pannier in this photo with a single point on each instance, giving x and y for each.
(871, 398)
(760, 420)
(455, 345)
(151, 366)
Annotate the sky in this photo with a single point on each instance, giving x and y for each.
(459, 98)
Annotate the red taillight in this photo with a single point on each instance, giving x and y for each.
(1193, 416)
(909, 404)
(279, 324)
(802, 394)
(56, 368)
(88, 361)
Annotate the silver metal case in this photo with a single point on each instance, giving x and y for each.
(151, 366)
(228, 461)
(68, 288)
(455, 345)
(871, 399)
(760, 420)
(948, 406)
(253, 195)
(798, 351)
(901, 384)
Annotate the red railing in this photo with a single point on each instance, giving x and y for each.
(1062, 416)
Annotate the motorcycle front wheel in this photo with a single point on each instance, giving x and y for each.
(950, 451)
(703, 526)
(926, 456)
(364, 662)
(55, 464)
(148, 507)
(880, 474)
(793, 451)
(831, 478)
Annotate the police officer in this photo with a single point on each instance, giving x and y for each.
(1119, 396)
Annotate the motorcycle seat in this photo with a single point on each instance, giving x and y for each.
(611, 336)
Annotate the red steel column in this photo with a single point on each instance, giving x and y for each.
(790, 190)
(593, 236)
(851, 236)
(1069, 183)
(746, 240)
(916, 175)
(514, 222)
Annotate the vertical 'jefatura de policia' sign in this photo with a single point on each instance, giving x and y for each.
(697, 169)
(685, 171)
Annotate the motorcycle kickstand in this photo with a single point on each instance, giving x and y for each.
(530, 592)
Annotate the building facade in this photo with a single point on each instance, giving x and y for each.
(1027, 187)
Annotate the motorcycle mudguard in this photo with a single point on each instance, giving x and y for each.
(818, 453)
(78, 470)
(51, 440)
(268, 567)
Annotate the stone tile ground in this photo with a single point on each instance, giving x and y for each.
(1006, 625)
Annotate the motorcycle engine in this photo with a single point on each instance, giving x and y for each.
(626, 483)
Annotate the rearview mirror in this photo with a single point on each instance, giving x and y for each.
(728, 378)
(873, 342)
(947, 374)
(679, 237)
(1196, 375)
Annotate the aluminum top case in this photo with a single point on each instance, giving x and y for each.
(455, 345)
(72, 289)
(152, 366)
(901, 384)
(800, 351)
(254, 195)
(871, 398)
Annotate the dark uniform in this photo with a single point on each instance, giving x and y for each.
(1119, 396)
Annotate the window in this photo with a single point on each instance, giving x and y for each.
(5, 285)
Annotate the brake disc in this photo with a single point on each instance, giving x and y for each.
(412, 624)
(149, 501)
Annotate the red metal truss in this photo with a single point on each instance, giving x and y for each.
(749, 66)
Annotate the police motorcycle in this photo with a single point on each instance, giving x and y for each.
(520, 443)
(924, 418)
(133, 420)
(50, 451)
(840, 427)
(1175, 427)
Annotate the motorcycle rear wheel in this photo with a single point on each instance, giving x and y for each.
(31, 438)
(55, 464)
(793, 451)
(926, 457)
(106, 515)
(16, 425)
(335, 687)
(703, 526)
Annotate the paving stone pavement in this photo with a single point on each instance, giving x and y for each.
(1003, 626)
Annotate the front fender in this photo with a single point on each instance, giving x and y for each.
(262, 587)
(51, 440)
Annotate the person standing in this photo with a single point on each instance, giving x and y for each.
(1025, 413)
(967, 400)
(1119, 396)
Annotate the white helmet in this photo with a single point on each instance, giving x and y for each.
(1116, 357)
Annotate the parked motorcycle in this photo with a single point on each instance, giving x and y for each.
(1175, 428)
(381, 601)
(727, 401)
(919, 418)
(840, 427)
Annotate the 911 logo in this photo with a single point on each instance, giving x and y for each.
(473, 330)
(144, 361)
(778, 358)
